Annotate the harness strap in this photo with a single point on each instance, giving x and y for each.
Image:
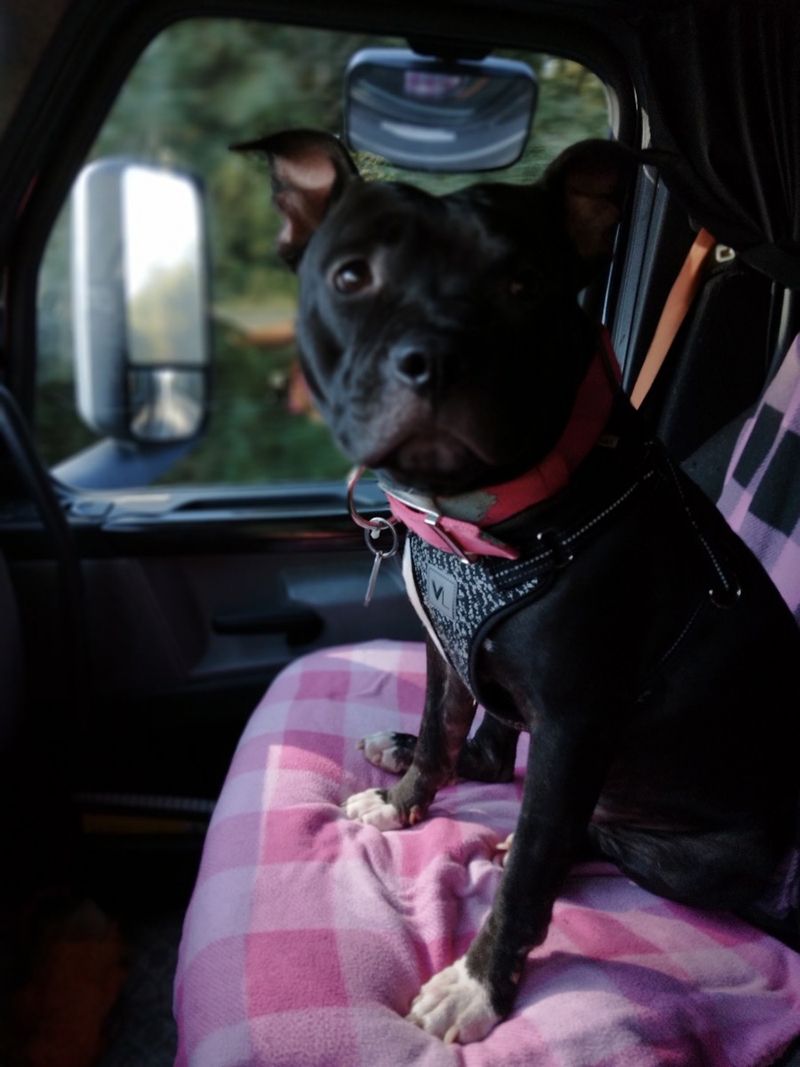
(462, 607)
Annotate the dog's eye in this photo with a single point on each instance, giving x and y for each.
(352, 277)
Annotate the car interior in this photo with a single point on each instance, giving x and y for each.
(181, 581)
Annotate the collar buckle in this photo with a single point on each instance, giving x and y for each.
(431, 519)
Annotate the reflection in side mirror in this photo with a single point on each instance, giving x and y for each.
(140, 302)
(166, 405)
(430, 114)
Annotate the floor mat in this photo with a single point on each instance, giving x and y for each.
(142, 1026)
(67, 968)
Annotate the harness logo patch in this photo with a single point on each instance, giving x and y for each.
(442, 592)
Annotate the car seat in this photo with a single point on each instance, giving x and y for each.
(308, 935)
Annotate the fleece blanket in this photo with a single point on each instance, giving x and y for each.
(761, 495)
(308, 935)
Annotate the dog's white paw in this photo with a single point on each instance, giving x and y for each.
(454, 1006)
(372, 809)
(503, 848)
(388, 750)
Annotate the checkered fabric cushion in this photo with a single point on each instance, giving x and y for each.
(308, 935)
(761, 495)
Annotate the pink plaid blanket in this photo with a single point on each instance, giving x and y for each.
(761, 495)
(308, 935)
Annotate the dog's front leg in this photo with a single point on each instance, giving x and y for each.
(446, 719)
(566, 767)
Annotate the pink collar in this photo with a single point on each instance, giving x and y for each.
(458, 524)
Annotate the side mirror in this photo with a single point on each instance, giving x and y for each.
(140, 302)
(441, 115)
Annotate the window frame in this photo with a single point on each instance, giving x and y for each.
(86, 85)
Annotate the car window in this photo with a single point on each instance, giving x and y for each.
(200, 86)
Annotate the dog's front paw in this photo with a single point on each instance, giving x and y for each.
(373, 809)
(389, 750)
(503, 848)
(454, 1006)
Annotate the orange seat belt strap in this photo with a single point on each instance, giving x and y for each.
(675, 309)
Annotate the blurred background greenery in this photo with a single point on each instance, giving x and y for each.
(200, 86)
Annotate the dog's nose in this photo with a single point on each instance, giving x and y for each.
(412, 366)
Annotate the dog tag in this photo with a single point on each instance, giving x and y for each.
(377, 529)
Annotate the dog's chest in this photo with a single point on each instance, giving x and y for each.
(460, 603)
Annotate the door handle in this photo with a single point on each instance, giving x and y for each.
(299, 623)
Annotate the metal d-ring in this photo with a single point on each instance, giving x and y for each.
(375, 528)
(728, 596)
(368, 525)
(353, 479)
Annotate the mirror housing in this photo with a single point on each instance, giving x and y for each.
(447, 115)
(140, 302)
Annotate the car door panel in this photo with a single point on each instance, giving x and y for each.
(184, 634)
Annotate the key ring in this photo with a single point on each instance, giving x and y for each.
(373, 530)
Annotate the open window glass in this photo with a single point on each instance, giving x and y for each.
(148, 372)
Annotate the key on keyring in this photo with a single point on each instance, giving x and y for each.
(379, 527)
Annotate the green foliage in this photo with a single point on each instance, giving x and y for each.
(199, 87)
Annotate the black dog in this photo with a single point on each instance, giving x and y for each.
(572, 580)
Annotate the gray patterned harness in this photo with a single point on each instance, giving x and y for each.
(464, 601)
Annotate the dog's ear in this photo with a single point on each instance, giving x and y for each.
(591, 179)
(309, 170)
